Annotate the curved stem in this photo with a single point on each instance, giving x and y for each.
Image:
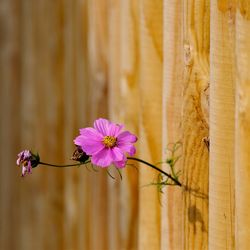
(156, 168)
(172, 171)
(63, 166)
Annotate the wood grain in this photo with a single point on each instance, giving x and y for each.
(75, 116)
(222, 94)
(10, 37)
(195, 123)
(153, 66)
(242, 150)
(129, 109)
(97, 206)
(151, 63)
(115, 115)
(123, 82)
(42, 123)
(172, 212)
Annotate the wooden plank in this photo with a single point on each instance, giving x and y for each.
(97, 57)
(81, 110)
(242, 151)
(172, 206)
(129, 107)
(115, 115)
(123, 100)
(43, 80)
(97, 207)
(195, 123)
(222, 94)
(75, 116)
(10, 12)
(72, 181)
(150, 88)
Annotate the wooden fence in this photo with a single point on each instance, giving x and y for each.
(171, 71)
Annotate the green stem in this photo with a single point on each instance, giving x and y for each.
(156, 168)
(63, 166)
(172, 171)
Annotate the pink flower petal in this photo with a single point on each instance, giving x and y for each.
(18, 161)
(116, 154)
(90, 140)
(125, 137)
(107, 156)
(24, 171)
(26, 154)
(106, 127)
(89, 146)
(122, 163)
(91, 134)
(103, 158)
(102, 126)
(29, 168)
(128, 148)
(114, 129)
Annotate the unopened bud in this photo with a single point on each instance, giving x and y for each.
(79, 155)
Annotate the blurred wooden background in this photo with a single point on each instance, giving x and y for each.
(169, 70)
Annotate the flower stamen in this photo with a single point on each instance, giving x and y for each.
(109, 141)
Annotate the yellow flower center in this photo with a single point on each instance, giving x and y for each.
(109, 141)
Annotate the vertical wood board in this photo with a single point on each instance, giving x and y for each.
(151, 56)
(172, 212)
(221, 179)
(195, 123)
(242, 150)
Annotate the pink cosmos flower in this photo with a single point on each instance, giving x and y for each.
(24, 159)
(106, 143)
